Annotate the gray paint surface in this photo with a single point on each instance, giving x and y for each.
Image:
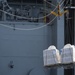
(24, 48)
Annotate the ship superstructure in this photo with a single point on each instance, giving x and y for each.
(26, 29)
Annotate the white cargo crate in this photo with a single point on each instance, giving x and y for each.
(68, 54)
(51, 56)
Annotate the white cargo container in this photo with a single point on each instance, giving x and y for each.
(68, 54)
(51, 56)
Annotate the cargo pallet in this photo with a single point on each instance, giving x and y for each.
(65, 65)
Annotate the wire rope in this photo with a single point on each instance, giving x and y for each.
(28, 29)
(31, 28)
(50, 3)
(30, 18)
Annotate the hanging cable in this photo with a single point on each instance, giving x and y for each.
(30, 18)
(31, 28)
(66, 2)
(69, 28)
(50, 3)
(26, 17)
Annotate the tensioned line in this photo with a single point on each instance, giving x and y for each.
(31, 28)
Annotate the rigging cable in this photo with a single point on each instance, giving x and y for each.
(50, 3)
(31, 28)
(31, 18)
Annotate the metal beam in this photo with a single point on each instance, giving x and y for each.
(72, 7)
